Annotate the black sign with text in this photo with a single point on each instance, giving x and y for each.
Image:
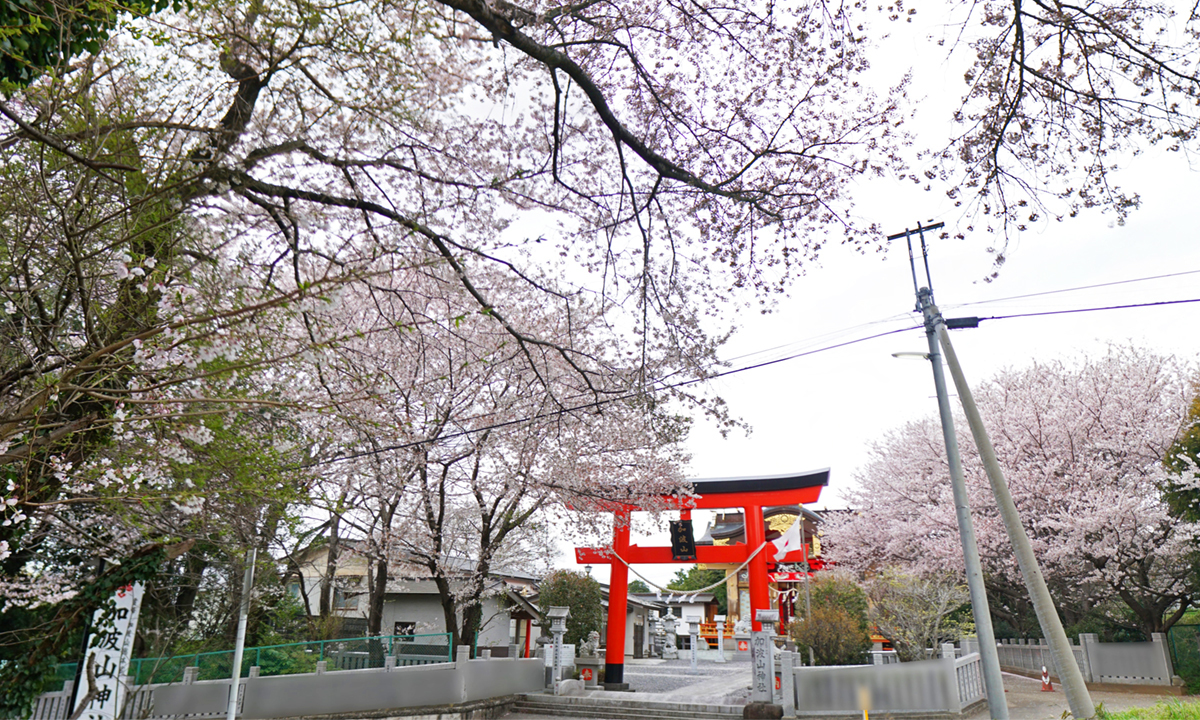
(683, 545)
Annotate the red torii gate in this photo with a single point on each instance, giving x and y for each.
(751, 494)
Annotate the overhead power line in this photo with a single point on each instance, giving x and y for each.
(1091, 309)
(660, 386)
(1076, 289)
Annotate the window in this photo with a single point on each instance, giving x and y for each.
(344, 601)
(404, 628)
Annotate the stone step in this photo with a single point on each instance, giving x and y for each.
(623, 708)
(613, 713)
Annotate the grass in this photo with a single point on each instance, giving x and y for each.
(1168, 710)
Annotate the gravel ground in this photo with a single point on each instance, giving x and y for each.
(675, 677)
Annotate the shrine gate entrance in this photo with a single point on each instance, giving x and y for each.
(751, 494)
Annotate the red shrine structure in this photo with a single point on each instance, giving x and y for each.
(751, 494)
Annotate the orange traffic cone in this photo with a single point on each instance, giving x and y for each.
(1047, 686)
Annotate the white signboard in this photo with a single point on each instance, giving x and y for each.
(568, 655)
(109, 647)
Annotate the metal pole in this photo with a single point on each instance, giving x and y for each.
(807, 599)
(1078, 698)
(240, 643)
(988, 656)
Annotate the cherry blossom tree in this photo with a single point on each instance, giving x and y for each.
(1082, 445)
(206, 175)
(1072, 89)
(459, 442)
(185, 199)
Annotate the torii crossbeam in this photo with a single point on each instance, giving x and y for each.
(751, 494)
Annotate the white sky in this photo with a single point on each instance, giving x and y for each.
(826, 409)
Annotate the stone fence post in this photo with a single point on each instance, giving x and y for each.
(787, 682)
(1090, 643)
(1161, 649)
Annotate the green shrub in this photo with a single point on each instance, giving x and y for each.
(835, 636)
(581, 593)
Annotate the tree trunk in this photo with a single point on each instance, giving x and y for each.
(326, 602)
(449, 610)
(472, 618)
(376, 588)
(194, 564)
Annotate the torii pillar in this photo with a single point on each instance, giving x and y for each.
(618, 605)
(751, 494)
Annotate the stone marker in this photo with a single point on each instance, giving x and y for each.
(693, 638)
(762, 660)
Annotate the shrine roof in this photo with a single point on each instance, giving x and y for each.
(762, 490)
(761, 483)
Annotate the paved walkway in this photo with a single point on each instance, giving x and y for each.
(1026, 701)
(729, 684)
(712, 683)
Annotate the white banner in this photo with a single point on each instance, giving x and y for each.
(110, 647)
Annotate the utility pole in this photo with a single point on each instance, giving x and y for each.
(988, 656)
(1078, 698)
(240, 643)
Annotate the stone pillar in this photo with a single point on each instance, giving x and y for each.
(741, 644)
(948, 651)
(762, 661)
(969, 644)
(720, 638)
(787, 677)
(693, 639)
(321, 666)
(190, 674)
(1089, 642)
(589, 670)
(1163, 650)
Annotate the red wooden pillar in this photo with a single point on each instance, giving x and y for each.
(618, 589)
(528, 633)
(755, 536)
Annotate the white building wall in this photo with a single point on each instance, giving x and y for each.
(424, 610)
(496, 628)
